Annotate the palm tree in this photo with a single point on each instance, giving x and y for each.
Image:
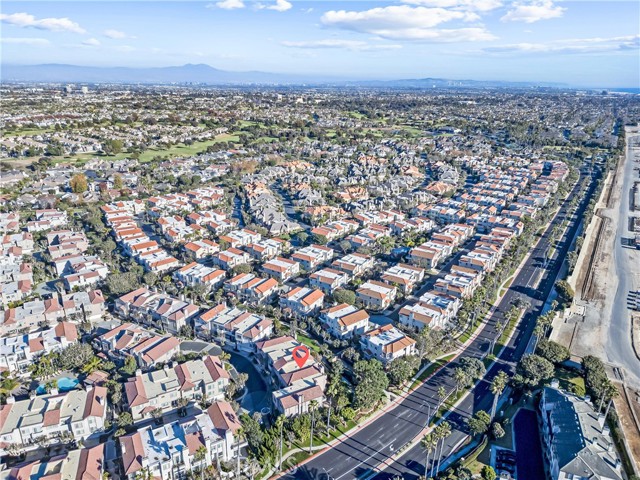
(539, 332)
(612, 392)
(279, 424)
(461, 378)
(445, 431)
(442, 393)
(199, 457)
(239, 437)
(497, 387)
(428, 442)
(312, 407)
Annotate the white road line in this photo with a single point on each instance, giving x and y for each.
(368, 458)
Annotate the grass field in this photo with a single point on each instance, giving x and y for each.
(174, 151)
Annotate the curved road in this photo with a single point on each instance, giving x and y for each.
(371, 448)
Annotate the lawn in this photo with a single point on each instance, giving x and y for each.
(174, 151)
(431, 369)
(309, 342)
(571, 381)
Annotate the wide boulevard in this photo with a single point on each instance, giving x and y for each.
(369, 452)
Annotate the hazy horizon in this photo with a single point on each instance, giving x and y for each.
(582, 44)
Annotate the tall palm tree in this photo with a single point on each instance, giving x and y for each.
(428, 442)
(279, 424)
(497, 387)
(612, 392)
(199, 457)
(313, 404)
(539, 332)
(239, 437)
(461, 378)
(442, 394)
(445, 431)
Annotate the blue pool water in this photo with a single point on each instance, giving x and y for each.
(64, 385)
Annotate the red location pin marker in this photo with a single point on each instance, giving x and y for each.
(300, 355)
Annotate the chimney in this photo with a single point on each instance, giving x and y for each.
(606, 431)
(138, 372)
(11, 400)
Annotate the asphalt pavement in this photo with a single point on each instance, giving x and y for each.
(362, 455)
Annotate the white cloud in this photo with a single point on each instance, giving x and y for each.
(533, 12)
(280, 6)
(116, 34)
(404, 22)
(227, 4)
(26, 41)
(570, 46)
(92, 42)
(355, 45)
(25, 20)
(475, 5)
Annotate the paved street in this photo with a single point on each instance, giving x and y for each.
(627, 270)
(360, 455)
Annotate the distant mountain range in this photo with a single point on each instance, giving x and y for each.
(205, 74)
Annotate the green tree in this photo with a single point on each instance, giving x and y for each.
(112, 146)
(130, 366)
(552, 351)
(117, 181)
(401, 369)
(498, 384)
(488, 473)
(342, 295)
(496, 430)
(479, 423)
(532, 370)
(78, 183)
(371, 382)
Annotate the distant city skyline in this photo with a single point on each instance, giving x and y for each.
(580, 43)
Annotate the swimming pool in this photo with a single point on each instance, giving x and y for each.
(64, 385)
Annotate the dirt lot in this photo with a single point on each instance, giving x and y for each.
(629, 426)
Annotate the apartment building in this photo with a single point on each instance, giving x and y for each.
(16, 280)
(230, 258)
(47, 219)
(32, 316)
(345, 321)
(294, 387)
(201, 248)
(376, 295)
(198, 274)
(146, 347)
(238, 326)
(267, 249)
(77, 413)
(18, 243)
(170, 450)
(252, 289)
(404, 277)
(576, 442)
(241, 238)
(313, 256)
(328, 280)
(302, 301)
(84, 463)
(354, 264)
(427, 255)
(282, 269)
(155, 309)
(19, 351)
(162, 389)
(387, 343)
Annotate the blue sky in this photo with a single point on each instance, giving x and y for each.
(585, 43)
